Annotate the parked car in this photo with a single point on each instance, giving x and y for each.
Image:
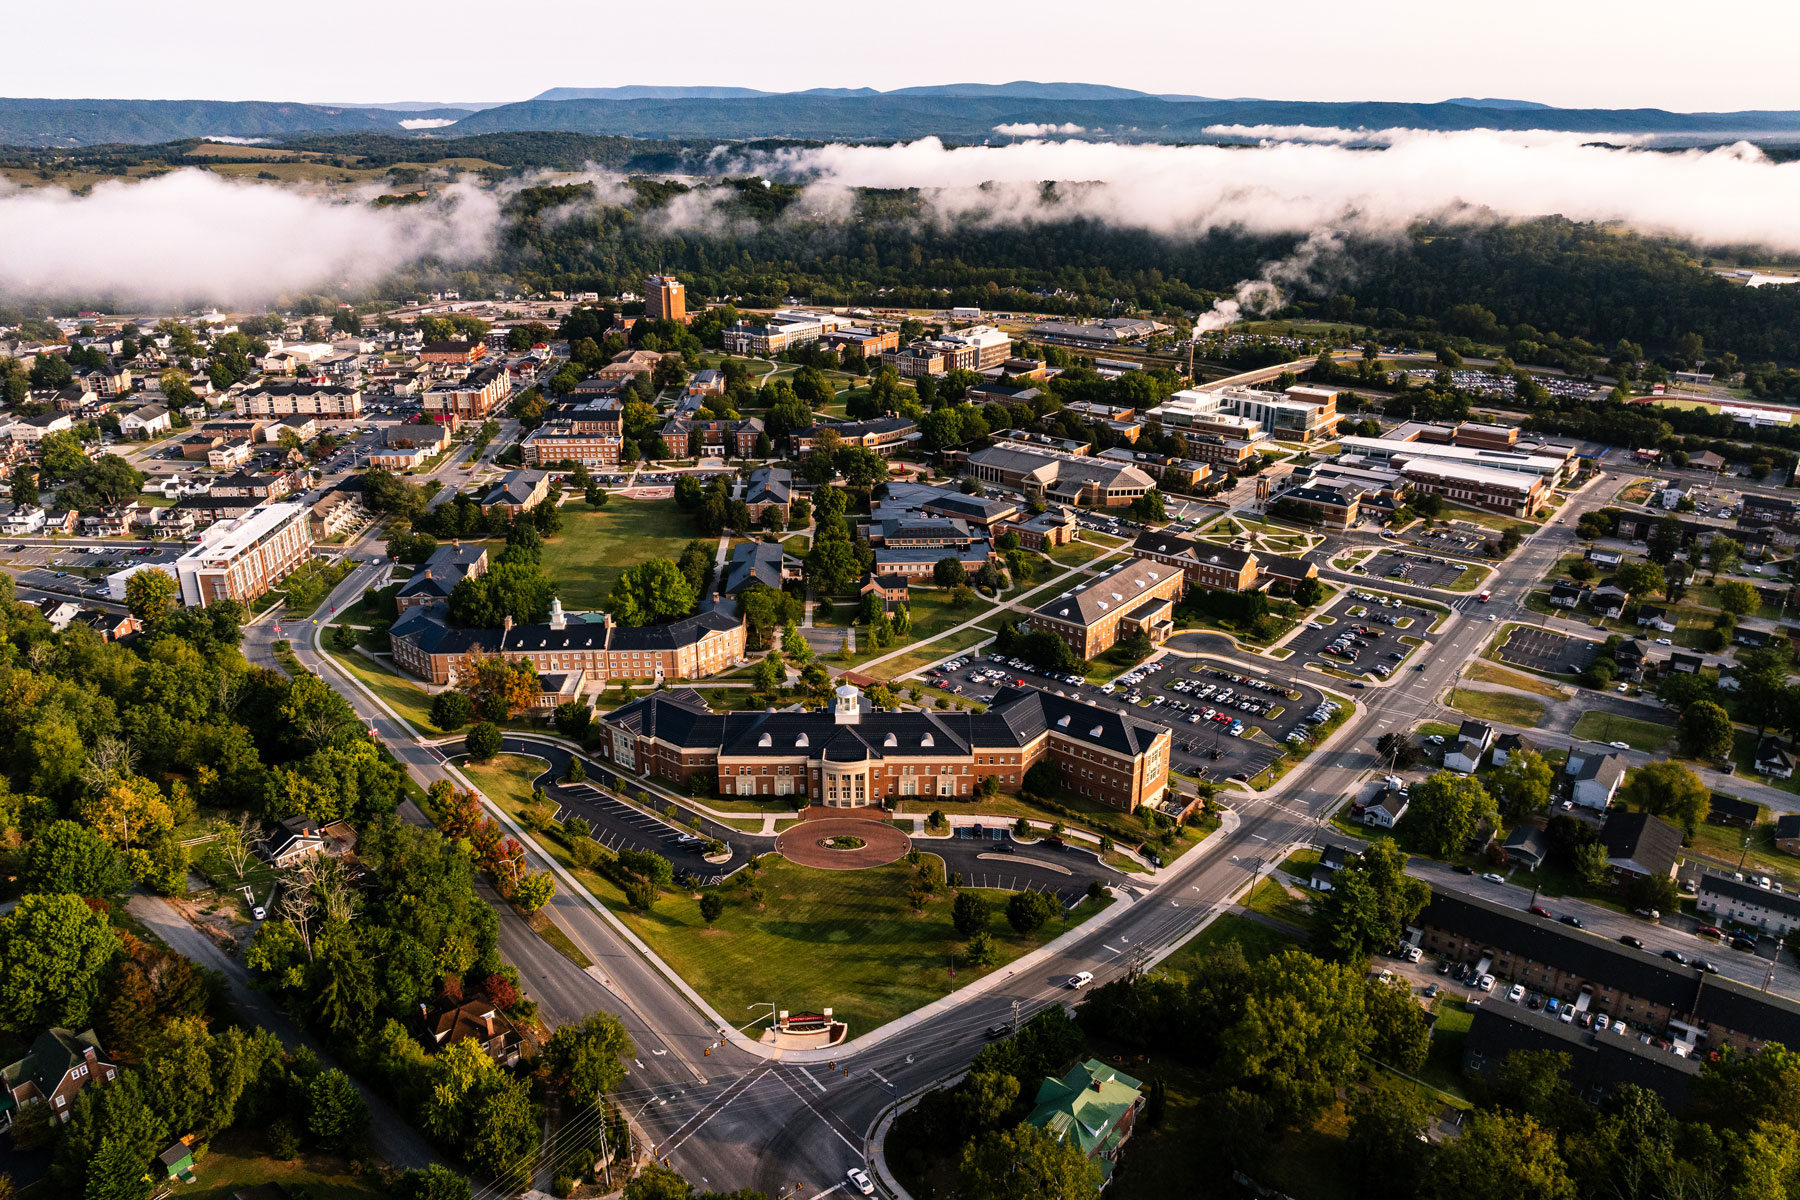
(1517, 993)
(1740, 942)
(1709, 931)
(859, 1179)
(1538, 910)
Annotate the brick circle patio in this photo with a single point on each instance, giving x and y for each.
(805, 843)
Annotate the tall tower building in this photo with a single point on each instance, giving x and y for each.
(665, 299)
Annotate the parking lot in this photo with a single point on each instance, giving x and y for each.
(989, 858)
(1455, 537)
(1364, 635)
(71, 558)
(1420, 570)
(1549, 652)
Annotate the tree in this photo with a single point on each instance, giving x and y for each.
(969, 914)
(436, 1182)
(949, 573)
(1388, 1122)
(1640, 578)
(1500, 1156)
(483, 741)
(1398, 751)
(1026, 1163)
(653, 590)
(1300, 1034)
(1446, 810)
(1705, 729)
(1665, 540)
(1027, 912)
(1370, 904)
(1401, 1036)
(72, 858)
(53, 949)
(450, 711)
(1723, 554)
(1668, 789)
(1583, 571)
(1737, 597)
(832, 567)
(1308, 592)
(1591, 866)
(533, 890)
(712, 907)
(1149, 506)
(1521, 785)
(150, 594)
(24, 486)
(335, 1111)
(586, 1059)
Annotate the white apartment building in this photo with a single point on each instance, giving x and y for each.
(242, 559)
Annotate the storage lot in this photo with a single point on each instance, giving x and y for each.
(1552, 653)
(1382, 642)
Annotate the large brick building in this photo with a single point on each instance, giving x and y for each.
(272, 401)
(1688, 1005)
(1055, 478)
(474, 397)
(589, 643)
(665, 299)
(850, 758)
(243, 558)
(1132, 597)
(1206, 565)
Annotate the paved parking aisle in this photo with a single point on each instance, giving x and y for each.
(1364, 635)
(1548, 651)
(1421, 570)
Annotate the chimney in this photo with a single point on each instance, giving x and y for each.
(506, 624)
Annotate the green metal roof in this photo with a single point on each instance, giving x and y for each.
(1087, 1105)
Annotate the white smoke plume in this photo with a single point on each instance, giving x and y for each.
(1734, 195)
(192, 237)
(1318, 260)
(1031, 129)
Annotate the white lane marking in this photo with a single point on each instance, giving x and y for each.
(810, 1079)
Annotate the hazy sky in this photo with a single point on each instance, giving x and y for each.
(1675, 54)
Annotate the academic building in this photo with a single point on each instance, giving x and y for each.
(1136, 596)
(851, 758)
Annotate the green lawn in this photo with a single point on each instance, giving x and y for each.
(1258, 941)
(1503, 707)
(1609, 727)
(595, 546)
(237, 1161)
(930, 652)
(1272, 899)
(1074, 554)
(1443, 1066)
(844, 939)
(1488, 673)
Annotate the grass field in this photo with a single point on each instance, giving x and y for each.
(1272, 899)
(919, 656)
(1610, 727)
(596, 546)
(845, 939)
(1488, 673)
(1497, 706)
(1074, 554)
(236, 1162)
(1258, 941)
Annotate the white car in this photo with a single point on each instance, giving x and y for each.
(859, 1179)
(1517, 994)
(1485, 983)
(1620, 745)
(1081, 979)
(258, 913)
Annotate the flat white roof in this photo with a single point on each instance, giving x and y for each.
(1501, 460)
(1517, 481)
(231, 538)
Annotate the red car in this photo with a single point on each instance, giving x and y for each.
(1538, 910)
(1711, 931)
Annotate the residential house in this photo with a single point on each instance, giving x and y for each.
(1609, 601)
(1506, 745)
(1787, 833)
(1773, 759)
(1528, 846)
(1332, 859)
(1566, 593)
(1688, 664)
(1632, 655)
(1657, 619)
(497, 1036)
(1639, 846)
(1595, 776)
(1094, 1108)
(58, 1066)
(147, 421)
(1385, 809)
(294, 839)
(23, 521)
(1729, 810)
(1472, 741)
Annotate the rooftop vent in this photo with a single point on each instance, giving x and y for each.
(890, 740)
(1063, 721)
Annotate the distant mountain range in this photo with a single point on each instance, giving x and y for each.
(962, 112)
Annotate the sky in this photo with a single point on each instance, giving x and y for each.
(1673, 54)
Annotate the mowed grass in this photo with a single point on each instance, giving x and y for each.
(1488, 673)
(846, 940)
(237, 1161)
(595, 546)
(1610, 727)
(1497, 706)
(1257, 940)
(506, 778)
(919, 656)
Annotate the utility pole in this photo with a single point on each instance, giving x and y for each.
(605, 1152)
(1015, 1021)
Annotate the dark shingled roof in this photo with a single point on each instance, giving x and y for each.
(1596, 1060)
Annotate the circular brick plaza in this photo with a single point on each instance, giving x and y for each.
(807, 843)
